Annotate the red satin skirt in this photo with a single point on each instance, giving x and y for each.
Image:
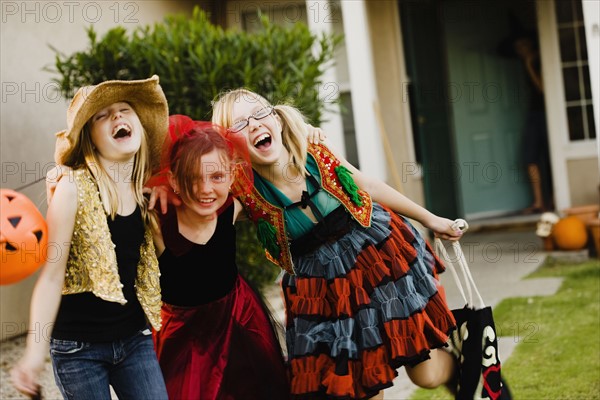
(226, 349)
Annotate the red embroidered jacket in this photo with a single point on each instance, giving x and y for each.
(270, 220)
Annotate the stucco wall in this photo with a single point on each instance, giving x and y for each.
(32, 111)
(393, 108)
(584, 181)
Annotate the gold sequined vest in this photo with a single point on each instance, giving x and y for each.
(92, 263)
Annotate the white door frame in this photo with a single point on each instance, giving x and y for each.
(591, 18)
(562, 150)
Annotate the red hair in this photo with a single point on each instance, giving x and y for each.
(187, 142)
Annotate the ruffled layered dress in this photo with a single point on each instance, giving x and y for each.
(363, 300)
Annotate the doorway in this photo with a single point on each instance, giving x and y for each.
(469, 105)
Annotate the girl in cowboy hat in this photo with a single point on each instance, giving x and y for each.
(98, 295)
(217, 341)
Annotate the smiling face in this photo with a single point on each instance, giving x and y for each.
(263, 135)
(212, 178)
(116, 132)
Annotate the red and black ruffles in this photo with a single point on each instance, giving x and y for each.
(361, 306)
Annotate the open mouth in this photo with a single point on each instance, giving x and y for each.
(262, 141)
(206, 202)
(121, 131)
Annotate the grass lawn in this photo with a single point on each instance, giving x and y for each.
(558, 355)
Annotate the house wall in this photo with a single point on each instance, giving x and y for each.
(591, 16)
(32, 111)
(576, 165)
(394, 112)
(584, 178)
(584, 173)
(363, 81)
(571, 161)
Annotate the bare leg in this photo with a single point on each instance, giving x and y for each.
(535, 180)
(378, 396)
(436, 371)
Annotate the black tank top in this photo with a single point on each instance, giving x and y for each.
(192, 274)
(85, 317)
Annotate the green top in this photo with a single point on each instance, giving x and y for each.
(296, 222)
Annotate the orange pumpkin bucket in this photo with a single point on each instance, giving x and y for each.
(23, 237)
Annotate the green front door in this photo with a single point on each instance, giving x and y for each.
(488, 102)
(426, 67)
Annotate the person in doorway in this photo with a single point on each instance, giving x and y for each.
(523, 45)
(101, 292)
(536, 153)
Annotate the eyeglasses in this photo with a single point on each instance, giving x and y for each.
(242, 123)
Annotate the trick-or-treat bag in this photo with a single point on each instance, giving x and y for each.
(474, 342)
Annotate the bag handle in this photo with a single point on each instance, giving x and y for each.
(461, 262)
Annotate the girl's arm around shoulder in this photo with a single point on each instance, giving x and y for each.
(238, 214)
(47, 293)
(157, 237)
(382, 193)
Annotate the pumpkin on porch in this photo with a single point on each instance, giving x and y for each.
(570, 234)
(23, 237)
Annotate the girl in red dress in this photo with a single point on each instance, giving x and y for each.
(217, 340)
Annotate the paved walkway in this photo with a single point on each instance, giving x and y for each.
(498, 260)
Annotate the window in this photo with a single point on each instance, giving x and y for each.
(575, 69)
(283, 14)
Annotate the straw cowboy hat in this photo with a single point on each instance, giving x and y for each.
(145, 96)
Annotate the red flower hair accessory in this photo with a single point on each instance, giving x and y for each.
(183, 130)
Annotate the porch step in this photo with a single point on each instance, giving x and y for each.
(505, 223)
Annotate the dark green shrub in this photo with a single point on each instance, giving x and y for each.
(195, 61)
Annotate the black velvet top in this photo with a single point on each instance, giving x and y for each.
(194, 274)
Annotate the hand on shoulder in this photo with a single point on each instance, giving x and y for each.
(315, 135)
(161, 196)
(238, 214)
(53, 176)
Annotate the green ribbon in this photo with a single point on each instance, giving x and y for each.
(345, 177)
(267, 235)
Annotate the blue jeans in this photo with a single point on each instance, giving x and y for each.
(84, 371)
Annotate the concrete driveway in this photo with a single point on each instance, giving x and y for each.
(498, 260)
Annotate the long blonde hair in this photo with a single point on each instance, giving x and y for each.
(84, 155)
(293, 122)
